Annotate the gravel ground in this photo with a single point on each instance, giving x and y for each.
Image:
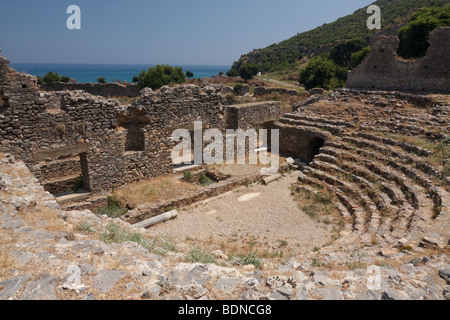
(267, 214)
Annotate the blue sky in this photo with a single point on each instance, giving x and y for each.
(150, 32)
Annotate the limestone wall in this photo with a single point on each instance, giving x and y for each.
(106, 90)
(250, 115)
(108, 143)
(98, 131)
(260, 91)
(384, 70)
(300, 142)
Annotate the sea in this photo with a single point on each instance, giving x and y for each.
(111, 72)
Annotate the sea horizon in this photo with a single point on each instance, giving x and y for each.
(90, 72)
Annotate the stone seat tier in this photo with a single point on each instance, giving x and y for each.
(405, 217)
(392, 127)
(360, 205)
(342, 209)
(409, 148)
(409, 161)
(301, 123)
(376, 203)
(347, 209)
(316, 119)
(403, 175)
(423, 119)
(398, 195)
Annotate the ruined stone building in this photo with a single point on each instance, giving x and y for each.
(64, 135)
(384, 70)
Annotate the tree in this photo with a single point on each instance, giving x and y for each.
(159, 76)
(189, 74)
(101, 80)
(135, 79)
(51, 78)
(247, 72)
(232, 73)
(414, 36)
(64, 79)
(40, 80)
(358, 57)
(341, 54)
(318, 73)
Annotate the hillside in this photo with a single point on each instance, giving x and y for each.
(287, 53)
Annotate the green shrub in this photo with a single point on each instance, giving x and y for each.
(205, 180)
(51, 77)
(115, 234)
(358, 57)
(85, 227)
(237, 87)
(189, 74)
(64, 79)
(200, 255)
(318, 73)
(101, 80)
(40, 80)
(341, 54)
(187, 176)
(112, 209)
(251, 258)
(232, 73)
(247, 72)
(414, 36)
(161, 75)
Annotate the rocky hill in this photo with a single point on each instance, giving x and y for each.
(287, 53)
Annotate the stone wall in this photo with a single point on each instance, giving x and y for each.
(106, 90)
(42, 127)
(384, 70)
(300, 142)
(250, 115)
(62, 134)
(260, 91)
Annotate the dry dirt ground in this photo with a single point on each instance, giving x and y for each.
(265, 218)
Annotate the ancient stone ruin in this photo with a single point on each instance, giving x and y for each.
(384, 70)
(67, 134)
(356, 146)
(106, 90)
(380, 158)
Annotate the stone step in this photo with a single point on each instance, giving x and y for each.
(360, 211)
(417, 196)
(362, 184)
(380, 170)
(405, 129)
(346, 210)
(348, 163)
(186, 167)
(343, 210)
(432, 121)
(301, 123)
(69, 197)
(312, 119)
(428, 170)
(330, 155)
(409, 148)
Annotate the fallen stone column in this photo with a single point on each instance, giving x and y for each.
(155, 220)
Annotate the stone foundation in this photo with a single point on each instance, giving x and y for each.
(106, 90)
